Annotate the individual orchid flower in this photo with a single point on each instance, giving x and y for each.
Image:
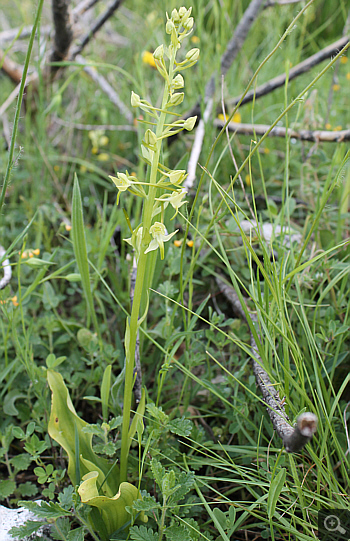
(175, 199)
(124, 182)
(159, 234)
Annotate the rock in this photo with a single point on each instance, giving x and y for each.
(17, 517)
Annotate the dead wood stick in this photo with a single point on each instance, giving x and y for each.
(22, 33)
(63, 35)
(95, 27)
(107, 89)
(11, 68)
(82, 7)
(294, 439)
(277, 131)
(299, 69)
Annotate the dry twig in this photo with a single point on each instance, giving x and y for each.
(294, 439)
(277, 131)
(95, 27)
(63, 35)
(299, 69)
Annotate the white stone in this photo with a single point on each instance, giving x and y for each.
(17, 517)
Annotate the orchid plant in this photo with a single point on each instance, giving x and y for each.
(164, 187)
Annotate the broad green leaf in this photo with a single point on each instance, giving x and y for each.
(275, 491)
(63, 420)
(112, 509)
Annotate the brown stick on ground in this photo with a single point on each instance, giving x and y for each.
(294, 439)
(277, 131)
(63, 32)
(299, 69)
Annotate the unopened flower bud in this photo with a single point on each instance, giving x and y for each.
(178, 82)
(188, 25)
(175, 16)
(176, 177)
(170, 27)
(176, 99)
(189, 123)
(159, 53)
(193, 55)
(182, 12)
(150, 138)
(135, 100)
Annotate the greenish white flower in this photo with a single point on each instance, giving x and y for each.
(159, 234)
(176, 99)
(159, 53)
(189, 123)
(175, 200)
(150, 140)
(178, 82)
(135, 100)
(193, 55)
(177, 176)
(124, 181)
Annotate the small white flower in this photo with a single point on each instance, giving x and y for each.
(159, 234)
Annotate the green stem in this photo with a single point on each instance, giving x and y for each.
(11, 162)
(140, 286)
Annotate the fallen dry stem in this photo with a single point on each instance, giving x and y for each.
(294, 439)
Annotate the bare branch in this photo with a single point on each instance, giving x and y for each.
(107, 89)
(277, 131)
(299, 69)
(294, 439)
(22, 33)
(11, 68)
(95, 27)
(197, 146)
(63, 31)
(106, 127)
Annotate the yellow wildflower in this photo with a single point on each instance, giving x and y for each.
(195, 39)
(56, 168)
(336, 87)
(67, 227)
(147, 58)
(337, 128)
(348, 76)
(103, 157)
(178, 243)
(247, 180)
(328, 126)
(83, 168)
(190, 243)
(14, 300)
(343, 59)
